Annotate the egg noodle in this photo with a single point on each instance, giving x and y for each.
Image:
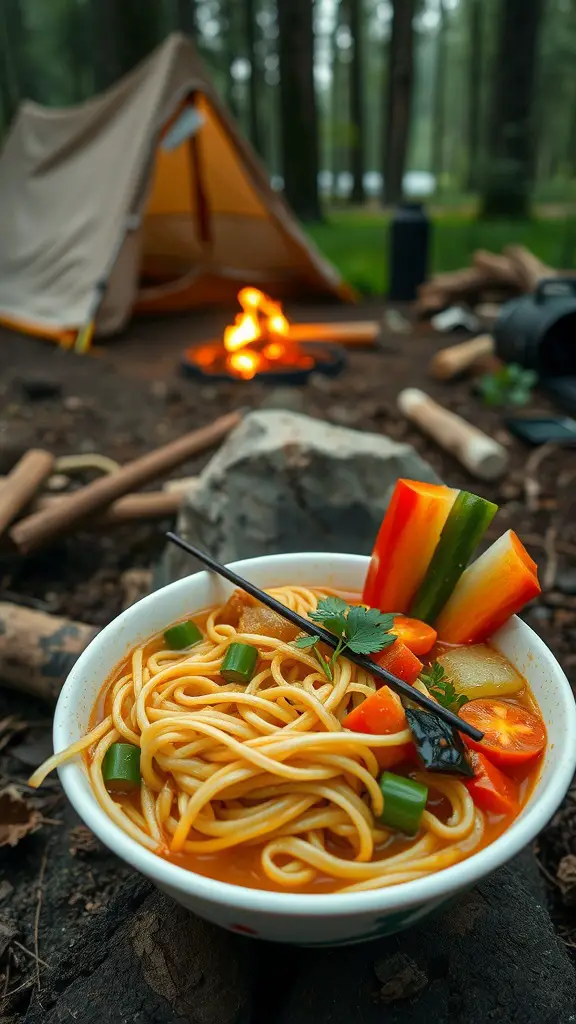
(266, 765)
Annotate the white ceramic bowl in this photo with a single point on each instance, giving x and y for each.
(291, 917)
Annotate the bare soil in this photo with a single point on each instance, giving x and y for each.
(129, 397)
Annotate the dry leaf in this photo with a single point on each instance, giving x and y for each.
(18, 818)
(82, 840)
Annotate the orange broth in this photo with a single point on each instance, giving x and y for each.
(240, 865)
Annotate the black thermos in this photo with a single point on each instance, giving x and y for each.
(409, 238)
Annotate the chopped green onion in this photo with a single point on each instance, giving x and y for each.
(404, 802)
(469, 517)
(121, 767)
(185, 634)
(239, 663)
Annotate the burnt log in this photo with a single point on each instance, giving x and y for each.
(147, 961)
(492, 957)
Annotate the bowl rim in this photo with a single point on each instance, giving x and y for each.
(432, 888)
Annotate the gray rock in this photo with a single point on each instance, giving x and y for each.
(287, 482)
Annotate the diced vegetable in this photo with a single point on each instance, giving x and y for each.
(230, 613)
(479, 671)
(239, 663)
(399, 660)
(512, 735)
(381, 714)
(490, 789)
(121, 767)
(494, 587)
(184, 634)
(265, 622)
(418, 636)
(405, 543)
(439, 747)
(469, 517)
(404, 802)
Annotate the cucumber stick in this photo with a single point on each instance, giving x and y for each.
(467, 521)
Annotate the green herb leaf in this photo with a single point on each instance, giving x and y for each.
(330, 613)
(304, 642)
(442, 689)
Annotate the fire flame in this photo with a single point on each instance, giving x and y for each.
(257, 342)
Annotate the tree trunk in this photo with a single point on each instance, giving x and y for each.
(439, 99)
(510, 157)
(298, 114)
(255, 82)
(106, 57)
(187, 17)
(399, 99)
(229, 38)
(139, 28)
(474, 93)
(356, 22)
(9, 85)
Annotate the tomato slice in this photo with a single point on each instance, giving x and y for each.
(381, 714)
(512, 735)
(490, 789)
(418, 636)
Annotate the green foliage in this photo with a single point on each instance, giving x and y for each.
(510, 385)
(356, 241)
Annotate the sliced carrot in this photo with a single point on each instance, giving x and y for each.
(494, 587)
(398, 659)
(418, 636)
(381, 714)
(405, 543)
(490, 789)
(512, 735)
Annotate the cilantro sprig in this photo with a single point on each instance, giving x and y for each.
(362, 630)
(442, 688)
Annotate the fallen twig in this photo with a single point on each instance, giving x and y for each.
(37, 915)
(531, 483)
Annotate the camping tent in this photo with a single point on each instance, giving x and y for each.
(145, 198)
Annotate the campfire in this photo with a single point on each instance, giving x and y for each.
(262, 343)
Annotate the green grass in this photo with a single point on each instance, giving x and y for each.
(356, 241)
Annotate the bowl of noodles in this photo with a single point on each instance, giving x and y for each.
(274, 854)
(271, 787)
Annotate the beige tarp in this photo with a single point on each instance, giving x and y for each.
(100, 216)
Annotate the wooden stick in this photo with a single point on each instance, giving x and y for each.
(499, 269)
(148, 505)
(22, 482)
(352, 332)
(480, 454)
(529, 268)
(42, 526)
(313, 629)
(456, 359)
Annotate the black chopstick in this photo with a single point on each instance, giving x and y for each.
(398, 685)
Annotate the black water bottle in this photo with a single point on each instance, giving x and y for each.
(409, 238)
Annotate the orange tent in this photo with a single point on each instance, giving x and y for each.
(145, 199)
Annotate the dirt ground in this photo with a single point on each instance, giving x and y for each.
(129, 397)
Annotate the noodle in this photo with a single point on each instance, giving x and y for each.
(266, 765)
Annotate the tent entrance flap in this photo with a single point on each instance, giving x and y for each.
(209, 218)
